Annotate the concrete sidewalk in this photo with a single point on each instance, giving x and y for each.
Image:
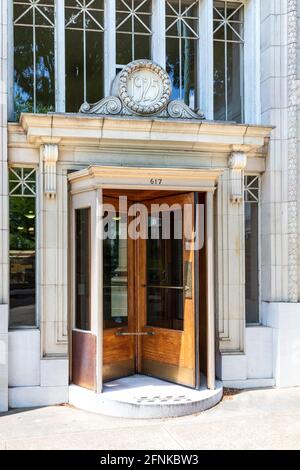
(257, 419)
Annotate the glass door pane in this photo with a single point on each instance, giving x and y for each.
(115, 276)
(165, 272)
(82, 286)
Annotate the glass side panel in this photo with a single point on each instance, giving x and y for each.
(251, 262)
(164, 274)
(82, 286)
(115, 276)
(22, 261)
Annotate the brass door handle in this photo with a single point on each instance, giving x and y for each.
(141, 333)
(165, 287)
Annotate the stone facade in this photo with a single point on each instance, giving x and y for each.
(34, 365)
(3, 211)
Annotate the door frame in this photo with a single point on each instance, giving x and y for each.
(93, 180)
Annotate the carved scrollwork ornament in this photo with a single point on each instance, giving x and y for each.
(143, 88)
(178, 109)
(110, 105)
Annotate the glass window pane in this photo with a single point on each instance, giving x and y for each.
(94, 66)
(142, 46)
(124, 22)
(22, 299)
(82, 256)
(182, 37)
(84, 36)
(219, 81)
(188, 72)
(115, 275)
(251, 259)
(124, 49)
(164, 274)
(133, 30)
(234, 82)
(228, 60)
(22, 214)
(173, 66)
(23, 70)
(74, 70)
(34, 56)
(45, 70)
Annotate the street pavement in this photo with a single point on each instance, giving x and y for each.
(256, 419)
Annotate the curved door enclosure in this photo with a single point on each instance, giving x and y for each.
(148, 287)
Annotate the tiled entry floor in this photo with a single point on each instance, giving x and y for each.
(140, 396)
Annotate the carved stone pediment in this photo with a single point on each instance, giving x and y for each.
(142, 88)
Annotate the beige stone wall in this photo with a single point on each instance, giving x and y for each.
(298, 116)
(53, 266)
(229, 272)
(3, 211)
(3, 156)
(280, 199)
(201, 146)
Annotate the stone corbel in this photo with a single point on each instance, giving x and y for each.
(237, 163)
(50, 157)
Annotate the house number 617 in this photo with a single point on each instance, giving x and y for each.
(156, 181)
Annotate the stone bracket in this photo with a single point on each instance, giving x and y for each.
(237, 163)
(50, 157)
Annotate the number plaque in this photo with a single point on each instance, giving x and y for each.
(144, 87)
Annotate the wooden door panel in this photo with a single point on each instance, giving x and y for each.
(164, 346)
(169, 353)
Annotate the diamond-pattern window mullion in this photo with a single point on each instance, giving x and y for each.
(182, 35)
(22, 182)
(76, 15)
(228, 31)
(252, 189)
(133, 29)
(34, 51)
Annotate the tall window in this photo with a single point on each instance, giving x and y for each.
(45, 31)
(182, 18)
(22, 213)
(134, 30)
(34, 88)
(252, 194)
(84, 38)
(228, 60)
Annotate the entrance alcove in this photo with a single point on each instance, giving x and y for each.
(141, 331)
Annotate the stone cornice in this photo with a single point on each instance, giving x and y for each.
(152, 133)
